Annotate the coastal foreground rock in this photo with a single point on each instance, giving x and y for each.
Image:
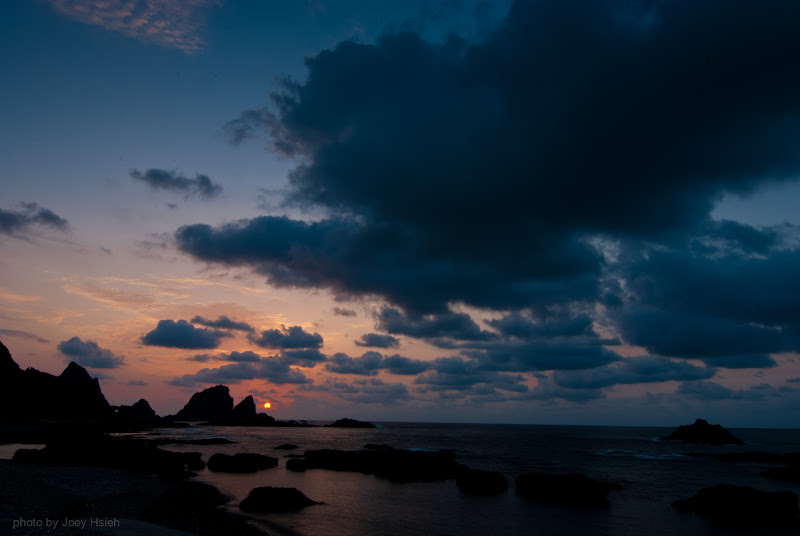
(741, 505)
(268, 499)
(574, 489)
(703, 433)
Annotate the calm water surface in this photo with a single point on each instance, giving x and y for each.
(653, 474)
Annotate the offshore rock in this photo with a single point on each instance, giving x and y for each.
(784, 474)
(479, 482)
(574, 489)
(742, 505)
(269, 499)
(350, 423)
(241, 463)
(704, 434)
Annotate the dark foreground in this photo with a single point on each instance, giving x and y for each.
(37, 499)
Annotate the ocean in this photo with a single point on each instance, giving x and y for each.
(652, 473)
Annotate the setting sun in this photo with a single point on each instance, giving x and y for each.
(267, 405)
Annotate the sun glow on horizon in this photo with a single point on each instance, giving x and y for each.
(267, 405)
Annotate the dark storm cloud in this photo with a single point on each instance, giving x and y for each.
(223, 322)
(160, 179)
(89, 354)
(731, 308)
(338, 311)
(288, 338)
(484, 174)
(19, 222)
(632, 370)
(376, 340)
(182, 334)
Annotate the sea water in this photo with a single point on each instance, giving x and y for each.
(652, 473)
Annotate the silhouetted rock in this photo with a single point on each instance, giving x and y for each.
(212, 404)
(350, 423)
(244, 412)
(268, 499)
(373, 446)
(785, 474)
(575, 489)
(741, 505)
(241, 463)
(194, 507)
(478, 482)
(135, 417)
(704, 434)
(287, 446)
(396, 465)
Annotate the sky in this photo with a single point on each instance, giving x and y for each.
(457, 211)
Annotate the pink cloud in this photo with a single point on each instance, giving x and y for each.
(169, 23)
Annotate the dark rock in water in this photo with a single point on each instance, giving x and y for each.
(741, 505)
(575, 489)
(785, 474)
(287, 446)
(241, 463)
(478, 482)
(269, 499)
(704, 434)
(373, 446)
(397, 465)
(350, 423)
(212, 404)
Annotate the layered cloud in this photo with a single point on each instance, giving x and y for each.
(223, 322)
(89, 354)
(159, 179)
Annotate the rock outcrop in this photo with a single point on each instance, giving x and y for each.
(744, 506)
(268, 499)
(703, 433)
(30, 395)
(574, 489)
(212, 404)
